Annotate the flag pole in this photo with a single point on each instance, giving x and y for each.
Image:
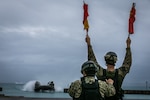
(86, 32)
(129, 35)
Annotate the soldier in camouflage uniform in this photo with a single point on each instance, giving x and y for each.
(110, 72)
(88, 70)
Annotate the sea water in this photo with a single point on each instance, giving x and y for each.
(27, 90)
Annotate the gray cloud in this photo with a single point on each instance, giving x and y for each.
(44, 39)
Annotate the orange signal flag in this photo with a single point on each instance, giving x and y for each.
(85, 21)
(132, 19)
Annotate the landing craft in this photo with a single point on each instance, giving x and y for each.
(50, 87)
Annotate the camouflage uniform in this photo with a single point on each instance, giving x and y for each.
(105, 89)
(122, 71)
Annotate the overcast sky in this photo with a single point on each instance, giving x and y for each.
(44, 39)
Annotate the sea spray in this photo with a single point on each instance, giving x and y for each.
(29, 86)
(59, 89)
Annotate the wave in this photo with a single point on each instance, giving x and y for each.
(29, 86)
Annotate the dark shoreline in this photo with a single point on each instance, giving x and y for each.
(146, 92)
(3, 97)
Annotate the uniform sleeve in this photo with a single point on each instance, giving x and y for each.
(75, 89)
(91, 56)
(106, 89)
(127, 62)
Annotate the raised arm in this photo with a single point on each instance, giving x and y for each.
(91, 55)
(128, 57)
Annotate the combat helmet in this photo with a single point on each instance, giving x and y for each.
(110, 58)
(89, 67)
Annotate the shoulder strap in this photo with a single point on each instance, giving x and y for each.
(100, 96)
(103, 77)
(116, 80)
(104, 72)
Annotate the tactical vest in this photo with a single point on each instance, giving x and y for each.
(90, 91)
(119, 92)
